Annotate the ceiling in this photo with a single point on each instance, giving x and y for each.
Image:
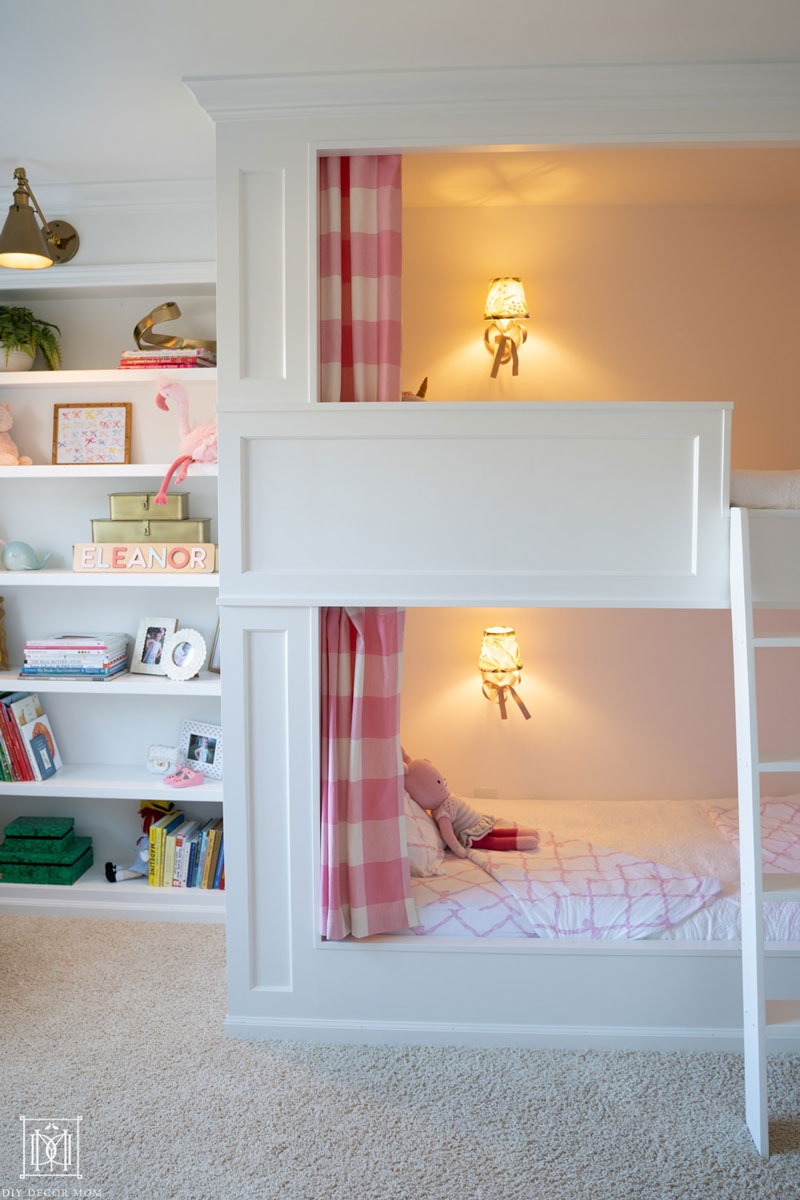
(700, 175)
(92, 90)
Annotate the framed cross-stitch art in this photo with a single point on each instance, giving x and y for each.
(91, 433)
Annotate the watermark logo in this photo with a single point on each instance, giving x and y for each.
(51, 1148)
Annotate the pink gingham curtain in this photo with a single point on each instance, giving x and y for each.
(366, 883)
(359, 266)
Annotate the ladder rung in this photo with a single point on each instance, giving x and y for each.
(780, 1013)
(780, 887)
(777, 641)
(779, 762)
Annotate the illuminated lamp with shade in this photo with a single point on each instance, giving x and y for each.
(505, 306)
(24, 246)
(500, 665)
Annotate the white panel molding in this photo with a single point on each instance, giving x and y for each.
(768, 92)
(653, 532)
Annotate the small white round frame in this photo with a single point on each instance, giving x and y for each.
(184, 654)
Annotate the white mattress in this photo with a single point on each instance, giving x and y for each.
(465, 901)
(765, 489)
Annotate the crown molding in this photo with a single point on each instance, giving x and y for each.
(770, 92)
(140, 195)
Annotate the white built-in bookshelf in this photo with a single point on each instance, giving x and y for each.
(103, 729)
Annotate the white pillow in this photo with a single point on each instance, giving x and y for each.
(423, 840)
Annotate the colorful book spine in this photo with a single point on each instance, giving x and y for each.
(158, 832)
(214, 837)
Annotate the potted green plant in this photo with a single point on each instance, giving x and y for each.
(23, 332)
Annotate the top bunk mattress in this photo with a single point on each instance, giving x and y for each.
(693, 844)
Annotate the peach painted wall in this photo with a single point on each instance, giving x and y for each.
(627, 303)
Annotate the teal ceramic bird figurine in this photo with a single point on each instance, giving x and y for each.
(19, 556)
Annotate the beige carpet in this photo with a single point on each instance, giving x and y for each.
(121, 1024)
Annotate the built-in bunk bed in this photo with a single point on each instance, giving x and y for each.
(615, 505)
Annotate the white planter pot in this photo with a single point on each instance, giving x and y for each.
(17, 360)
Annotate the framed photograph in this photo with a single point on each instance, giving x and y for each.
(201, 748)
(184, 654)
(91, 433)
(213, 660)
(148, 652)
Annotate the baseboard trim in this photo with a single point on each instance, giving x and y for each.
(533, 1037)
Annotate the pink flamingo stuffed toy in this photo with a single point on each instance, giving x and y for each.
(197, 445)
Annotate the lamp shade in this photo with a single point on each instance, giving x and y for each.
(505, 300)
(500, 657)
(22, 245)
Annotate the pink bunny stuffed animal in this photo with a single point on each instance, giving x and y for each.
(460, 825)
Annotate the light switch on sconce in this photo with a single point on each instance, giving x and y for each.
(500, 665)
(505, 306)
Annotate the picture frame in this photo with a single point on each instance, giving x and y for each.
(92, 433)
(148, 651)
(184, 654)
(201, 748)
(213, 658)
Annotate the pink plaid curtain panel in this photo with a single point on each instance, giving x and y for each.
(366, 883)
(359, 286)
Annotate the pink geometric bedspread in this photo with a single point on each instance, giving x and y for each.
(568, 888)
(780, 832)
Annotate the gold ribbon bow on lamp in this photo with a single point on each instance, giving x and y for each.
(500, 665)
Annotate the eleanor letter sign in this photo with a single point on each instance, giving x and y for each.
(134, 558)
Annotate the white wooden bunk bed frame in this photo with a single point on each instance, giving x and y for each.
(622, 505)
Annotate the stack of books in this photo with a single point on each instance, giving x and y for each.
(28, 750)
(89, 656)
(162, 358)
(185, 853)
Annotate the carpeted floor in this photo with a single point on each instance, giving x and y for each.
(121, 1024)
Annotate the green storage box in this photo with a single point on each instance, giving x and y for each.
(19, 867)
(39, 827)
(48, 873)
(135, 506)
(43, 850)
(188, 531)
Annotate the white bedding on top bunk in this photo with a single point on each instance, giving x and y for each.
(765, 489)
(463, 900)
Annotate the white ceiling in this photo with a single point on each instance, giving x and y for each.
(91, 89)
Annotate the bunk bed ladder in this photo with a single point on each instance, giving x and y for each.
(757, 1010)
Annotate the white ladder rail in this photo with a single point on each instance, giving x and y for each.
(749, 786)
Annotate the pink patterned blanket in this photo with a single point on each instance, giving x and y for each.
(570, 888)
(780, 832)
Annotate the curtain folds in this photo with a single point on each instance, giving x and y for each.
(359, 266)
(366, 885)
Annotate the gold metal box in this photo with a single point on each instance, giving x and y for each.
(135, 506)
(193, 529)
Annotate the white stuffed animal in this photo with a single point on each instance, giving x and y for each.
(9, 454)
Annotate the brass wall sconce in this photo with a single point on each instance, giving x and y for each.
(505, 305)
(23, 244)
(500, 665)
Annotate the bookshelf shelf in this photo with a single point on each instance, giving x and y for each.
(113, 782)
(93, 896)
(205, 684)
(113, 579)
